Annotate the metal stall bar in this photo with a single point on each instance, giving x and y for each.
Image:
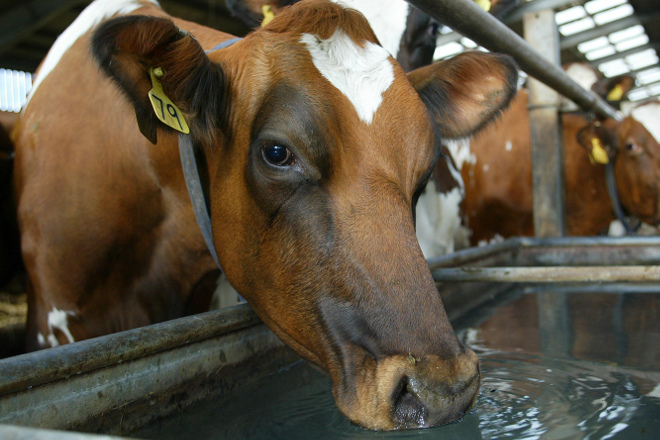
(470, 20)
(559, 274)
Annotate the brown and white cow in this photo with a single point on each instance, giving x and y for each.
(315, 145)
(496, 168)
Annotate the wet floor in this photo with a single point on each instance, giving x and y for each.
(555, 365)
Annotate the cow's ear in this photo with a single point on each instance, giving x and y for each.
(614, 89)
(128, 49)
(599, 141)
(466, 92)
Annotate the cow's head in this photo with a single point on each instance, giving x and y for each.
(636, 157)
(405, 31)
(317, 145)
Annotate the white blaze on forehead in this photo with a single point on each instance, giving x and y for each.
(58, 320)
(362, 74)
(649, 116)
(388, 19)
(93, 14)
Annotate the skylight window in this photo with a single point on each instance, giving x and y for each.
(448, 50)
(632, 31)
(468, 43)
(596, 6)
(14, 87)
(594, 44)
(576, 26)
(642, 59)
(614, 68)
(638, 94)
(614, 14)
(569, 15)
(600, 53)
(649, 76)
(632, 43)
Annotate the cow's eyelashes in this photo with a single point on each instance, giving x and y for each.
(278, 155)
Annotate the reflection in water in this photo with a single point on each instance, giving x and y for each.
(554, 366)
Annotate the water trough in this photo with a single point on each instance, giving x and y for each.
(121, 383)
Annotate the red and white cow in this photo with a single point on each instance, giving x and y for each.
(498, 177)
(313, 144)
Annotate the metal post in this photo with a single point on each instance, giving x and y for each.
(545, 127)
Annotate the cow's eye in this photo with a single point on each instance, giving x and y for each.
(278, 155)
(631, 146)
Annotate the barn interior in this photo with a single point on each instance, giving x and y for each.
(615, 37)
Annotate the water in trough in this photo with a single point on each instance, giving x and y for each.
(555, 365)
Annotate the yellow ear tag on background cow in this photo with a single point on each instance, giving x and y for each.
(268, 14)
(483, 4)
(615, 94)
(598, 153)
(168, 113)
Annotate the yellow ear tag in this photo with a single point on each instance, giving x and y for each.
(483, 4)
(615, 94)
(268, 13)
(598, 152)
(168, 113)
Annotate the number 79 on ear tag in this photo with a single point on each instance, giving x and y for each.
(165, 110)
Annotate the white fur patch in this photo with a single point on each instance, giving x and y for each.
(582, 74)
(508, 146)
(93, 14)
(362, 74)
(496, 239)
(388, 19)
(41, 340)
(58, 320)
(438, 222)
(649, 116)
(460, 151)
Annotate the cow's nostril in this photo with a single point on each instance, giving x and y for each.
(409, 412)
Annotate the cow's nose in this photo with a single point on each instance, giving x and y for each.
(435, 391)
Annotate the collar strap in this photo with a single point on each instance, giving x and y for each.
(616, 202)
(190, 162)
(224, 44)
(199, 200)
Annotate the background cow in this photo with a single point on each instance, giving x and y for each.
(311, 170)
(496, 168)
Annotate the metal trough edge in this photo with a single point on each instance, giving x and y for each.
(118, 383)
(37, 368)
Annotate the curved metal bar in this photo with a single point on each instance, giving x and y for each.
(470, 20)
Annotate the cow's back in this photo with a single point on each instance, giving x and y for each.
(100, 209)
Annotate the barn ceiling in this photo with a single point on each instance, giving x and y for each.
(614, 36)
(28, 28)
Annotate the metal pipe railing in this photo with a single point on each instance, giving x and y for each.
(557, 274)
(467, 18)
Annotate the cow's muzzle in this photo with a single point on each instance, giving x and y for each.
(406, 392)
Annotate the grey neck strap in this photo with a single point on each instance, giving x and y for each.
(199, 200)
(190, 165)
